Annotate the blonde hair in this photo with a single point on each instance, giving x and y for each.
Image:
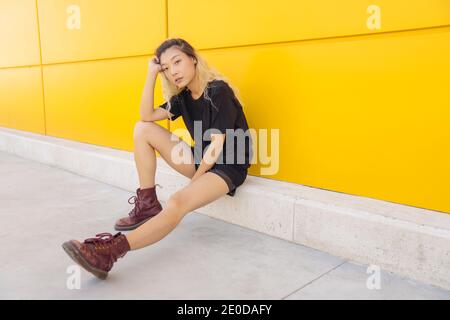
(204, 73)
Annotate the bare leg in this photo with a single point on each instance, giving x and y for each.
(145, 159)
(148, 137)
(202, 191)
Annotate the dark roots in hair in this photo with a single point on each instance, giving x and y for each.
(181, 44)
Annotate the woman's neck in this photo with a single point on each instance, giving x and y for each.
(194, 88)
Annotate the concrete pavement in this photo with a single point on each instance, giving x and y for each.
(203, 258)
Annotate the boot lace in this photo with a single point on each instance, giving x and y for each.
(101, 239)
(138, 204)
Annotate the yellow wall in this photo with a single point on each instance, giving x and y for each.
(362, 108)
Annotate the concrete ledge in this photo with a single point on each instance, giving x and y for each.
(408, 241)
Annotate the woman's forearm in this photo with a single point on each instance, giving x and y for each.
(210, 157)
(147, 99)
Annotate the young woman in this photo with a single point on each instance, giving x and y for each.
(213, 115)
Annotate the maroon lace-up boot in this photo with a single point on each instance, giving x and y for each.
(97, 255)
(146, 206)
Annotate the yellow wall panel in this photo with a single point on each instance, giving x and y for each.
(21, 102)
(19, 45)
(366, 115)
(95, 102)
(87, 29)
(236, 22)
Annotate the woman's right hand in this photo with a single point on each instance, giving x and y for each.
(153, 66)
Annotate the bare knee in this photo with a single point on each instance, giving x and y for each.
(142, 129)
(177, 202)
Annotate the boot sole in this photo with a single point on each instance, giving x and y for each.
(132, 227)
(73, 253)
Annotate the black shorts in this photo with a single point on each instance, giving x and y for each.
(233, 175)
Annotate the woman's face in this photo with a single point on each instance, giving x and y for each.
(177, 67)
